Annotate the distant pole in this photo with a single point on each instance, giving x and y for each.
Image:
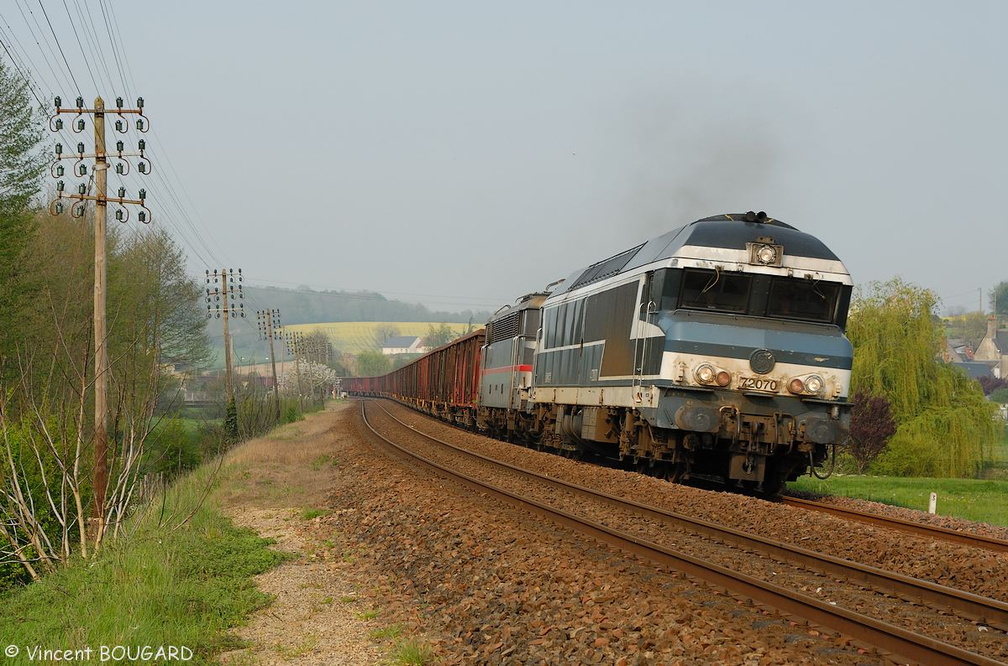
(269, 322)
(219, 287)
(228, 367)
(295, 345)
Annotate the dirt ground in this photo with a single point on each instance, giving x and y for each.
(387, 559)
(278, 486)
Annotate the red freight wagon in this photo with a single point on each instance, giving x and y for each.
(443, 382)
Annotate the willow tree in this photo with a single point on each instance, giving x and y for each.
(945, 426)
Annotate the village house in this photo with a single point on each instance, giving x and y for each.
(403, 344)
(993, 348)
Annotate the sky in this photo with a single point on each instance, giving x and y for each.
(461, 154)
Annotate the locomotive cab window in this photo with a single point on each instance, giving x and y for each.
(715, 290)
(808, 300)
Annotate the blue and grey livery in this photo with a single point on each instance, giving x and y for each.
(715, 350)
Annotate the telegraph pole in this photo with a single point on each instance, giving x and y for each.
(217, 303)
(295, 345)
(101, 199)
(269, 323)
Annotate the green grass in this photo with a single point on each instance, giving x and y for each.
(166, 585)
(312, 512)
(979, 500)
(409, 652)
(387, 633)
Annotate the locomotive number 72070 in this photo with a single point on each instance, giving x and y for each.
(758, 383)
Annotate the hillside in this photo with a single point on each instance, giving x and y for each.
(351, 320)
(305, 306)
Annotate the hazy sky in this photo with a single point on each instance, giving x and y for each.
(461, 154)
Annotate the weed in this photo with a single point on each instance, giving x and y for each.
(323, 461)
(310, 513)
(410, 652)
(387, 633)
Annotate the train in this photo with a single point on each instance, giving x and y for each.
(715, 351)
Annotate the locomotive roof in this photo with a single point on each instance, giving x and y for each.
(730, 231)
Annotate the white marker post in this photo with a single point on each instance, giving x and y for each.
(933, 503)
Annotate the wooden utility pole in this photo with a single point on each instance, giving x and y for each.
(295, 345)
(100, 331)
(269, 323)
(224, 286)
(101, 199)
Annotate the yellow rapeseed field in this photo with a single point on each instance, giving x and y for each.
(356, 336)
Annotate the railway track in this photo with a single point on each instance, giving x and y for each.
(917, 529)
(863, 628)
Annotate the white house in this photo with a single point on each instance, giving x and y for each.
(403, 344)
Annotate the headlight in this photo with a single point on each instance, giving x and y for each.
(810, 385)
(766, 254)
(705, 374)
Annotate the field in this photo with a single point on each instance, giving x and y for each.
(356, 336)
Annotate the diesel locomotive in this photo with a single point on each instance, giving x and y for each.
(716, 351)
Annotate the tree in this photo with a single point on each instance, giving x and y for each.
(21, 167)
(990, 384)
(385, 331)
(46, 431)
(871, 427)
(999, 299)
(438, 335)
(372, 364)
(22, 163)
(945, 426)
(319, 348)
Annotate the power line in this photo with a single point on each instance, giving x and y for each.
(73, 25)
(68, 69)
(112, 40)
(45, 58)
(28, 81)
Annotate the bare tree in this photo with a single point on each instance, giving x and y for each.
(46, 427)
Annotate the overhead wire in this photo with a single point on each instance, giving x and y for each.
(178, 209)
(60, 47)
(80, 44)
(112, 41)
(20, 70)
(38, 43)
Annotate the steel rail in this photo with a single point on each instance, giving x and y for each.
(919, 529)
(874, 632)
(991, 612)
